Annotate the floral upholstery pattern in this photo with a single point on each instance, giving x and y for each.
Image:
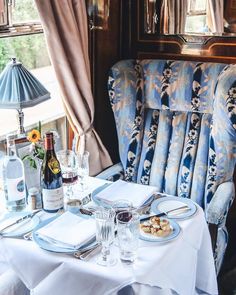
(176, 124)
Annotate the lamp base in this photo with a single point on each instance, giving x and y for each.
(20, 118)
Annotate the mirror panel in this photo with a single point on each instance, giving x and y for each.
(194, 17)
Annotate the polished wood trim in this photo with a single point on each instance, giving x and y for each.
(176, 56)
(221, 44)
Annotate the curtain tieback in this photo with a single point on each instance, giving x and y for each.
(89, 129)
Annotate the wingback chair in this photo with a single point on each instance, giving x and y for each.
(176, 125)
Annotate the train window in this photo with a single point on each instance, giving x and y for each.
(23, 38)
(196, 17)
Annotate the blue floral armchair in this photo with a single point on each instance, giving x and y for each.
(176, 125)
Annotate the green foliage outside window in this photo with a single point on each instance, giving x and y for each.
(28, 49)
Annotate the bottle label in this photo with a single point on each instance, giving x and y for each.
(53, 198)
(53, 165)
(15, 189)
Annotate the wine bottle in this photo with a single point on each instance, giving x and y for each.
(51, 178)
(13, 178)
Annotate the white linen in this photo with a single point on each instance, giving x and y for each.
(182, 265)
(68, 230)
(136, 193)
(10, 284)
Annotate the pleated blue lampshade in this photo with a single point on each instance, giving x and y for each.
(19, 88)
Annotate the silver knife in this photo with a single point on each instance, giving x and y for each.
(31, 215)
(86, 255)
(182, 208)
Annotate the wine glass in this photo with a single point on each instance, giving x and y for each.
(83, 169)
(122, 205)
(69, 168)
(105, 234)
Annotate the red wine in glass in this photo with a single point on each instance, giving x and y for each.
(69, 177)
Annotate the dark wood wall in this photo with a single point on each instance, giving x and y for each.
(139, 44)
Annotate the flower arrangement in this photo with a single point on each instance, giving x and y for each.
(37, 149)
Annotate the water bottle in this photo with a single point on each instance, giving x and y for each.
(13, 178)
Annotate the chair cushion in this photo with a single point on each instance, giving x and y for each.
(180, 85)
(173, 135)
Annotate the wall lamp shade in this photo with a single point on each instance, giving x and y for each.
(20, 89)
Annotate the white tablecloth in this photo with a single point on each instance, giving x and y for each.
(181, 266)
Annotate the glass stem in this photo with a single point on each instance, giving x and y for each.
(105, 252)
(69, 191)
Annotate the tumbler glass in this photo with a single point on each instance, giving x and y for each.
(127, 223)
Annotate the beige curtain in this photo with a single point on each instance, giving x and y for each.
(65, 28)
(215, 16)
(174, 13)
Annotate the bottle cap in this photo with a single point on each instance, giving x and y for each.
(49, 134)
(48, 141)
(11, 136)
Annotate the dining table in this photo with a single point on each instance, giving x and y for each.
(183, 265)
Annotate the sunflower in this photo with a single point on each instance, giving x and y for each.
(34, 136)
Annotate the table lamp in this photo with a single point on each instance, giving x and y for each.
(20, 89)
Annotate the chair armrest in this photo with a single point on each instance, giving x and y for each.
(112, 173)
(218, 207)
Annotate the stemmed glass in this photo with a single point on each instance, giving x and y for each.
(122, 205)
(83, 169)
(69, 167)
(105, 234)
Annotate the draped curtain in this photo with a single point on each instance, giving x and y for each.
(174, 13)
(215, 16)
(65, 28)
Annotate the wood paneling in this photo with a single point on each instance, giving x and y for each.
(142, 45)
(105, 44)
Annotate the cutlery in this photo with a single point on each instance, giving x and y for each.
(88, 254)
(28, 236)
(78, 253)
(20, 220)
(86, 211)
(176, 211)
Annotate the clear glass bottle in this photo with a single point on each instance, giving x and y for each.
(51, 178)
(13, 178)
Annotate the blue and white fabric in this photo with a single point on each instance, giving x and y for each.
(176, 124)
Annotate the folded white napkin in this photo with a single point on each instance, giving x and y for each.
(68, 230)
(135, 193)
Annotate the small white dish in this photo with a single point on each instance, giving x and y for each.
(168, 203)
(175, 231)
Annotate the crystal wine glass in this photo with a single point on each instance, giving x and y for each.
(105, 234)
(69, 168)
(83, 169)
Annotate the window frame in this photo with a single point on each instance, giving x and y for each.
(9, 28)
(27, 28)
(193, 12)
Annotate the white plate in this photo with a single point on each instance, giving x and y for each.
(151, 238)
(168, 203)
(20, 228)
